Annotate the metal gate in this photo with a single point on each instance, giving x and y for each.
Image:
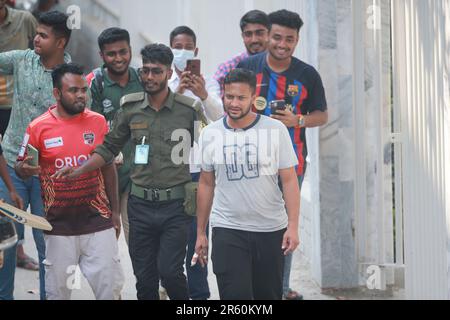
(421, 95)
(401, 101)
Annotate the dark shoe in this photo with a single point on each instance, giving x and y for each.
(292, 295)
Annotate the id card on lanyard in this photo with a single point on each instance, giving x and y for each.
(142, 152)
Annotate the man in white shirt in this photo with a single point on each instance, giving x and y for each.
(183, 42)
(243, 157)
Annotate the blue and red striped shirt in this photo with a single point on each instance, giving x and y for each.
(300, 86)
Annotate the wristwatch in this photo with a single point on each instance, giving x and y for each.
(300, 121)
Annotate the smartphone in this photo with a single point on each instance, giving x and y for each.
(277, 105)
(32, 151)
(193, 65)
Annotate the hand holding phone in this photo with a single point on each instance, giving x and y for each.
(32, 151)
(193, 65)
(277, 105)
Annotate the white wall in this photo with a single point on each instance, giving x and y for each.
(422, 71)
(216, 24)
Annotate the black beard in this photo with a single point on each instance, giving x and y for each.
(241, 116)
(69, 108)
(162, 87)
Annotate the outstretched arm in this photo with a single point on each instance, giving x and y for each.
(95, 162)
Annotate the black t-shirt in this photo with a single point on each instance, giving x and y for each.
(1, 150)
(300, 87)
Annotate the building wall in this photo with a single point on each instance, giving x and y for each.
(335, 147)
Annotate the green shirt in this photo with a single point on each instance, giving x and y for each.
(107, 103)
(136, 120)
(33, 95)
(16, 32)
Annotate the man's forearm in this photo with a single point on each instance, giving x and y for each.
(316, 119)
(95, 162)
(111, 186)
(291, 194)
(204, 203)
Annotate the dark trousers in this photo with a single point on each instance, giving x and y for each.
(157, 246)
(248, 265)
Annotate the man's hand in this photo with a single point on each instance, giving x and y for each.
(25, 169)
(16, 199)
(290, 240)
(185, 81)
(198, 87)
(289, 119)
(66, 173)
(116, 222)
(201, 250)
(118, 161)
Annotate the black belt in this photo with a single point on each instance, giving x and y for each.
(158, 194)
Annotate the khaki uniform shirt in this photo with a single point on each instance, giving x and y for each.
(168, 159)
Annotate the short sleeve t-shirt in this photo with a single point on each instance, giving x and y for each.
(246, 163)
(300, 86)
(78, 206)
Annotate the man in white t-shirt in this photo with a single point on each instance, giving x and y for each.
(243, 156)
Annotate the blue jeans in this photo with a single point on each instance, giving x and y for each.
(288, 259)
(196, 275)
(30, 191)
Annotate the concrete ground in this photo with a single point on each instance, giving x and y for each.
(27, 282)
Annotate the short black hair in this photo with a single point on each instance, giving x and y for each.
(60, 70)
(255, 16)
(157, 53)
(58, 22)
(183, 30)
(241, 76)
(112, 35)
(286, 19)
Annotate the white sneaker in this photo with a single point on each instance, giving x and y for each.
(163, 294)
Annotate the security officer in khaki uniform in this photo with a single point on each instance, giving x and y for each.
(161, 125)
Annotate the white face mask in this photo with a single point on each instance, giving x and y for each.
(180, 58)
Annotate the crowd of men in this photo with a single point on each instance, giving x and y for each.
(162, 152)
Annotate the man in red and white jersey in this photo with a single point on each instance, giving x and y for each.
(84, 212)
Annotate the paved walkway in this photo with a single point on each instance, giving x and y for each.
(27, 282)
